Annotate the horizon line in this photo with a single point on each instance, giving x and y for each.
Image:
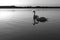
(29, 7)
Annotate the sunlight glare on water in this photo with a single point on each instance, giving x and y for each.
(4, 15)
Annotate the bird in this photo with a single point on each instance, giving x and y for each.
(35, 17)
(42, 19)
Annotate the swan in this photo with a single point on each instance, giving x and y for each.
(35, 17)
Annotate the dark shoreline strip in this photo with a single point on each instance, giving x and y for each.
(43, 7)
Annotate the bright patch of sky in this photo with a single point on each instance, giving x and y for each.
(30, 2)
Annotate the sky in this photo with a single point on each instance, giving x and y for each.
(30, 2)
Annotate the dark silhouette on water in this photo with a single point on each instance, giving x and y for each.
(42, 19)
(38, 19)
(35, 17)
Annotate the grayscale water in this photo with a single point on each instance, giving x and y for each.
(17, 24)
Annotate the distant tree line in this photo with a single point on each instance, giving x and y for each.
(29, 7)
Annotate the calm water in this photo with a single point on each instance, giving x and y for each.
(16, 24)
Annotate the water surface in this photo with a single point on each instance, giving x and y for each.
(18, 25)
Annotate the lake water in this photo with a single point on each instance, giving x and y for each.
(17, 24)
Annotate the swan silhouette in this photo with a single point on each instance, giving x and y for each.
(38, 19)
(35, 17)
(42, 19)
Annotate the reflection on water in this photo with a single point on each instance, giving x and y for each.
(16, 24)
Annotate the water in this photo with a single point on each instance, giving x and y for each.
(16, 24)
